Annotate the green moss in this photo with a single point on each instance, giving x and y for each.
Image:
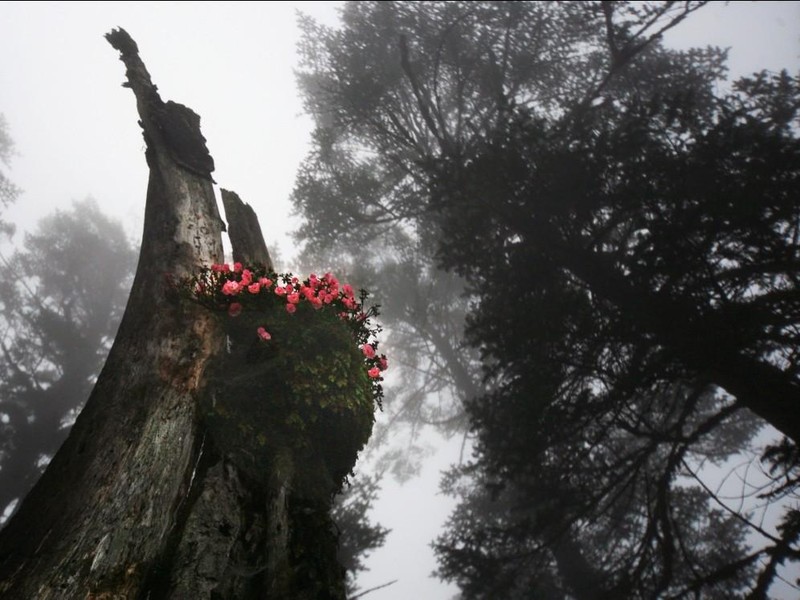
(306, 389)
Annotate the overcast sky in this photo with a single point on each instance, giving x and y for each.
(76, 129)
(77, 135)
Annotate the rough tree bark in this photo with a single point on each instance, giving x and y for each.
(142, 501)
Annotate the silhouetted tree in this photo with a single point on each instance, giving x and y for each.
(358, 536)
(628, 239)
(658, 246)
(365, 183)
(61, 304)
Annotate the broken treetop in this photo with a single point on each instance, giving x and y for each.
(176, 126)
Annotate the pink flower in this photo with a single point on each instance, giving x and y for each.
(383, 363)
(263, 334)
(265, 282)
(348, 290)
(281, 291)
(290, 308)
(293, 298)
(254, 288)
(313, 281)
(374, 372)
(222, 268)
(316, 303)
(235, 309)
(247, 277)
(349, 303)
(307, 291)
(231, 288)
(368, 351)
(237, 267)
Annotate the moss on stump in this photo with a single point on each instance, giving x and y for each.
(306, 390)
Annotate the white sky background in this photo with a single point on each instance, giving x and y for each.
(77, 135)
(76, 129)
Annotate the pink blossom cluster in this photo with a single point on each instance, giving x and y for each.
(382, 362)
(239, 285)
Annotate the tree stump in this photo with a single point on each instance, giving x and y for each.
(153, 495)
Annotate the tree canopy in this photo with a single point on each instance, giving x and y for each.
(627, 237)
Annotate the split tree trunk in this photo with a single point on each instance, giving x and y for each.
(139, 503)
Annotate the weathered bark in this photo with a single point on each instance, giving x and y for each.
(247, 241)
(141, 502)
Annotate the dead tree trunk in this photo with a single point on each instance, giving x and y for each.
(143, 501)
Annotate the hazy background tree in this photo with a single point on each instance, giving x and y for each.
(8, 191)
(626, 251)
(358, 535)
(61, 303)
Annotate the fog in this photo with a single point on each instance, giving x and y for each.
(76, 136)
(75, 128)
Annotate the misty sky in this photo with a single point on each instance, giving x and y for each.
(77, 135)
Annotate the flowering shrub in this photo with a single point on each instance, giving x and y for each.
(235, 289)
